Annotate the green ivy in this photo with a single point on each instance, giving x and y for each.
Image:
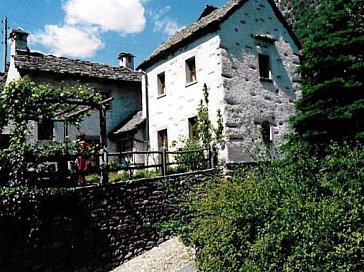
(23, 101)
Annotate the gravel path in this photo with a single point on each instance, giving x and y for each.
(170, 256)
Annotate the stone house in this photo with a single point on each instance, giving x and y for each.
(121, 83)
(246, 54)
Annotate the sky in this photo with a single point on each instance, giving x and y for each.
(98, 30)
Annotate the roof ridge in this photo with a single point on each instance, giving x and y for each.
(192, 29)
(198, 28)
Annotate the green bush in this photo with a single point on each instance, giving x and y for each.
(302, 213)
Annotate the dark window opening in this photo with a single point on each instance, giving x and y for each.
(264, 66)
(161, 84)
(193, 128)
(4, 141)
(191, 70)
(162, 139)
(125, 146)
(267, 132)
(45, 130)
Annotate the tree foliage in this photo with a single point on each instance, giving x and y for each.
(303, 213)
(23, 101)
(332, 103)
(208, 135)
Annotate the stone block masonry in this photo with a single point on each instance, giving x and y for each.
(94, 228)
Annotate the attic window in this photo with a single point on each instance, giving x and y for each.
(161, 84)
(191, 70)
(264, 67)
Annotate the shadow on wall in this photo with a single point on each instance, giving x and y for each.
(58, 237)
(93, 228)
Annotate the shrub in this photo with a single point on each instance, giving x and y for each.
(302, 213)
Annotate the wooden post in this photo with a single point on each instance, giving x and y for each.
(103, 142)
(65, 131)
(163, 162)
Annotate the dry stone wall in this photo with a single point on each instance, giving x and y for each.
(94, 228)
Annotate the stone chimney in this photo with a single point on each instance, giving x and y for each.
(19, 40)
(126, 60)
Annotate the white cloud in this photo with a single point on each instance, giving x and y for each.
(124, 16)
(69, 41)
(167, 25)
(164, 23)
(86, 20)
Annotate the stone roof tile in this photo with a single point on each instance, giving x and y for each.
(132, 123)
(198, 27)
(37, 62)
(205, 25)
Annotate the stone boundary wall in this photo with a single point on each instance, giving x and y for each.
(95, 228)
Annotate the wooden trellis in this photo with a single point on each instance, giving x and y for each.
(74, 112)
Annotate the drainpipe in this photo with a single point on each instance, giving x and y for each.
(146, 107)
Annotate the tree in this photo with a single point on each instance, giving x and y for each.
(207, 135)
(23, 101)
(332, 102)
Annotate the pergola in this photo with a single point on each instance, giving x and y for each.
(74, 112)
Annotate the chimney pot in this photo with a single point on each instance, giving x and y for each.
(126, 60)
(19, 38)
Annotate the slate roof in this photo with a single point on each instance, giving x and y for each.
(204, 25)
(26, 61)
(132, 123)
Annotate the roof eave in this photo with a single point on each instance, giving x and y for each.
(24, 71)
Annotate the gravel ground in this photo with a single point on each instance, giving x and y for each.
(170, 256)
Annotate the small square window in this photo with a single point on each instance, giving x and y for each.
(192, 127)
(162, 139)
(161, 84)
(264, 66)
(191, 70)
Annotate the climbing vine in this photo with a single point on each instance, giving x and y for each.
(208, 136)
(24, 103)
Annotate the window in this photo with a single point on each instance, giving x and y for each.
(125, 146)
(191, 70)
(192, 127)
(106, 95)
(161, 84)
(267, 132)
(264, 66)
(45, 130)
(162, 139)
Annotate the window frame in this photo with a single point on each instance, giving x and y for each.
(45, 130)
(161, 84)
(265, 67)
(191, 70)
(192, 128)
(162, 135)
